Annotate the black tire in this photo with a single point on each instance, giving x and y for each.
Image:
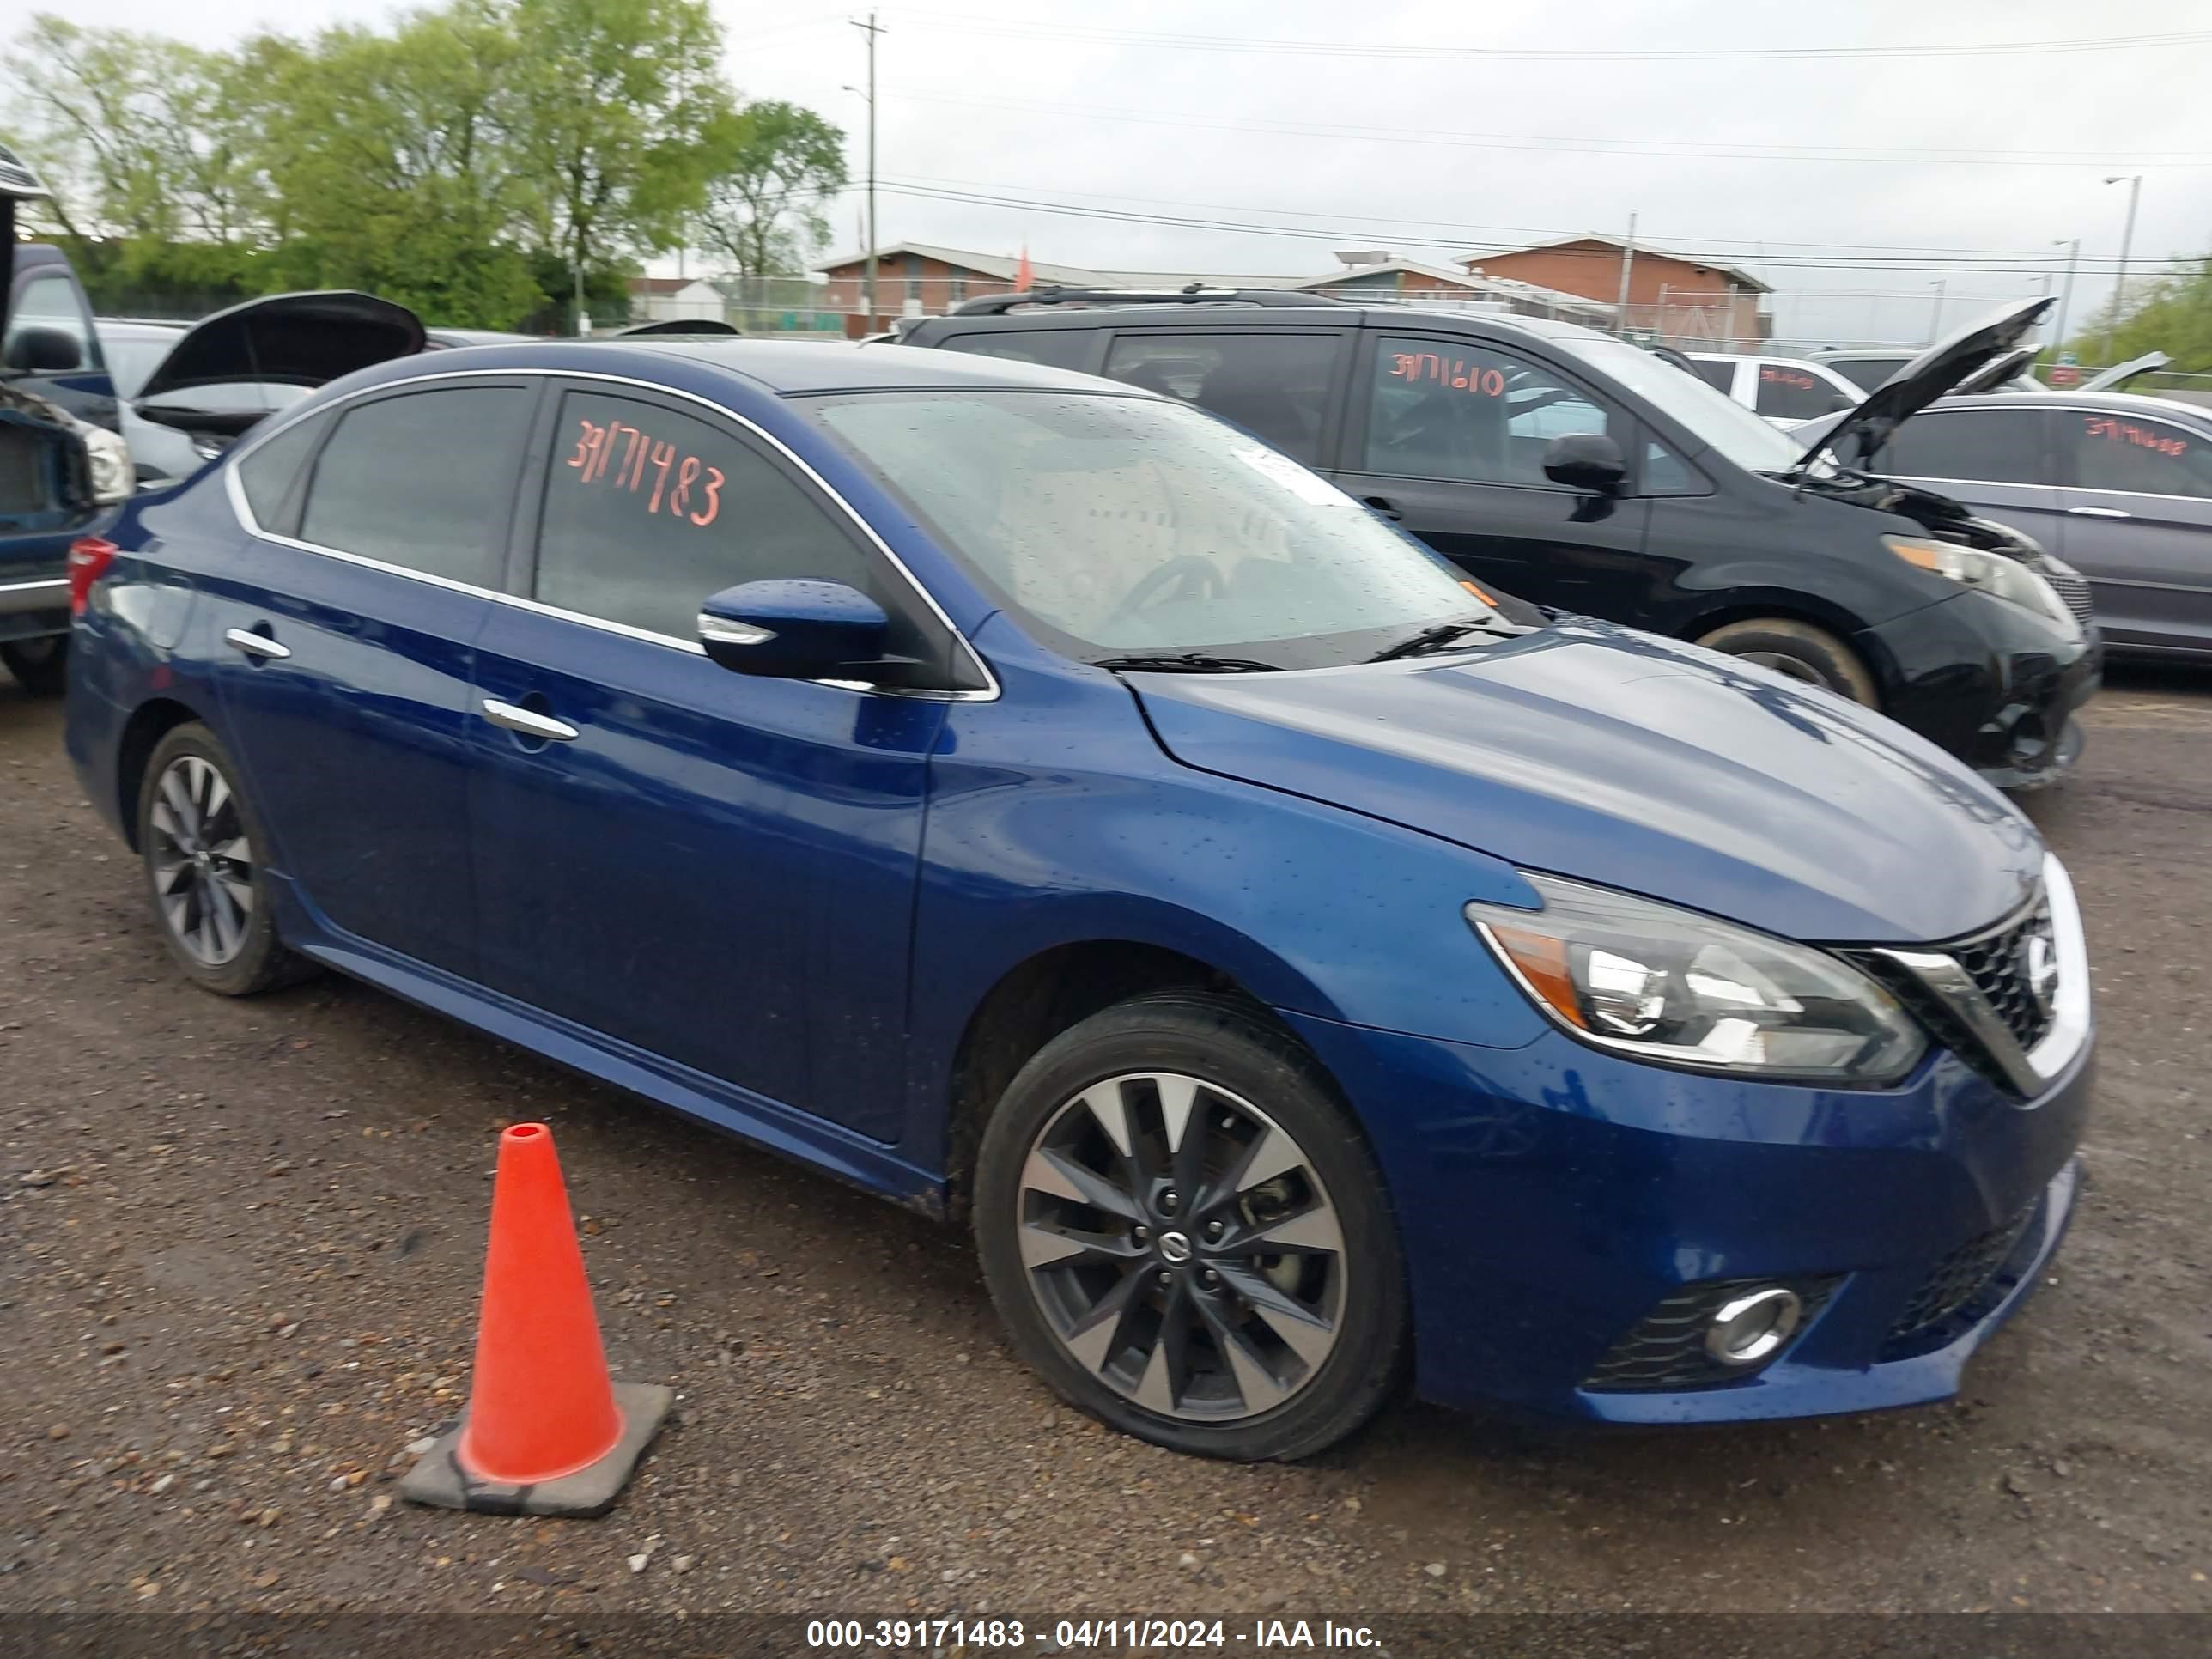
(247, 957)
(41, 666)
(1244, 1064)
(1801, 651)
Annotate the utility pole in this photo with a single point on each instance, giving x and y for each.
(871, 29)
(2127, 240)
(1627, 264)
(1935, 320)
(2066, 294)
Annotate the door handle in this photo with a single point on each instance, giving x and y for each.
(1383, 504)
(528, 722)
(2099, 513)
(255, 644)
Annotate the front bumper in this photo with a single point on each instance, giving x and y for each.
(1550, 1197)
(1996, 685)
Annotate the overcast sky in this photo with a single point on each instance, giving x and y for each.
(1897, 171)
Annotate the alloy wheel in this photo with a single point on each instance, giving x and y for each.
(1789, 667)
(1182, 1247)
(202, 861)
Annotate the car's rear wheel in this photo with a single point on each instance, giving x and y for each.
(1801, 652)
(41, 666)
(1188, 1237)
(201, 843)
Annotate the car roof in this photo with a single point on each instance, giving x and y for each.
(2117, 403)
(143, 328)
(799, 368)
(1219, 315)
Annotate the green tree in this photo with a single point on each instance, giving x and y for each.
(142, 136)
(776, 166)
(615, 103)
(2173, 315)
(395, 164)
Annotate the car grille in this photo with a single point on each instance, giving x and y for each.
(2075, 592)
(1666, 1348)
(1997, 963)
(1958, 1283)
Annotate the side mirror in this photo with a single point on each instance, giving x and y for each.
(1586, 460)
(37, 350)
(794, 631)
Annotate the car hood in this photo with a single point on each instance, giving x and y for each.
(2120, 373)
(287, 339)
(1926, 378)
(1596, 753)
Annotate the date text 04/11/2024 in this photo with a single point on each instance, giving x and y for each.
(1081, 1635)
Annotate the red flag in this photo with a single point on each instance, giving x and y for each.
(1025, 278)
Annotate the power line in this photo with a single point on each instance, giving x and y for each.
(969, 23)
(1853, 154)
(2024, 265)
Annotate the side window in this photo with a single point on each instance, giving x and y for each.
(48, 332)
(648, 512)
(423, 481)
(1438, 409)
(1980, 446)
(1787, 392)
(1273, 385)
(1054, 348)
(1718, 373)
(2148, 457)
(1868, 372)
(1666, 473)
(268, 473)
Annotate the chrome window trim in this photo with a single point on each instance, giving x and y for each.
(2071, 1017)
(18, 597)
(235, 490)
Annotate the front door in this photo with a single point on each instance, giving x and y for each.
(2138, 495)
(1448, 438)
(345, 629)
(714, 869)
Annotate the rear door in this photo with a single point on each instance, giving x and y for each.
(1447, 437)
(1283, 385)
(348, 624)
(2138, 502)
(1996, 460)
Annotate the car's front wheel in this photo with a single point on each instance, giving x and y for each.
(41, 666)
(1186, 1235)
(1800, 651)
(201, 843)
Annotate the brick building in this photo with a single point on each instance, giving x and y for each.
(1687, 302)
(916, 279)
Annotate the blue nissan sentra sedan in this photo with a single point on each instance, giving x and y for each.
(1032, 799)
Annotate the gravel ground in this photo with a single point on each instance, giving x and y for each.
(241, 1243)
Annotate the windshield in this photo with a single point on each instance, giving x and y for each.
(1126, 525)
(1726, 424)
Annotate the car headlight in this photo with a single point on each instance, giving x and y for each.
(1685, 989)
(112, 479)
(1993, 574)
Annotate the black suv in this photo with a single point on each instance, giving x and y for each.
(1587, 475)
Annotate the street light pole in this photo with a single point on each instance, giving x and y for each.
(871, 29)
(1627, 264)
(2066, 294)
(1935, 321)
(2127, 240)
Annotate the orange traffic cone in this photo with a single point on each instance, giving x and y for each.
(546, 1433)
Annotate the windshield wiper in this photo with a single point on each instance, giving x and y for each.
(1189, 662)
(1436, 638)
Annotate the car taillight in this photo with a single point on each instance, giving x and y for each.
(88, 559)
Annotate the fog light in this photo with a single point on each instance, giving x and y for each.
(1746, 1329)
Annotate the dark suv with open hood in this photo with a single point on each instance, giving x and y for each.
(1589, 475)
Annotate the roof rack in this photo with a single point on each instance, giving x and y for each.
(997, 305)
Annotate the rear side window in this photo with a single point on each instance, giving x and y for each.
(1274, 384)
(422, 481)
(2140, 457)
(270, 470)
(648, 512)
(1060, 348)
(1980, 446)
(1720, 375)
(1868, 372)
(1789, 393)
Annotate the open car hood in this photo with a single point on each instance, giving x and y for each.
(1997, 373)
(295, 341)
(1935, 371)
(2120, 373)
